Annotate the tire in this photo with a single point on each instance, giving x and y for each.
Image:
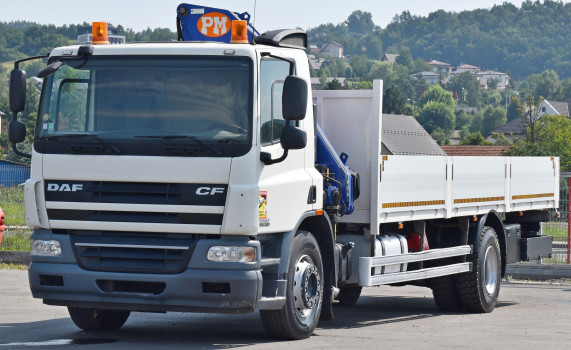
(479, 290)
(348, 296)
(446, 294)
(304, 293)
(98, 319)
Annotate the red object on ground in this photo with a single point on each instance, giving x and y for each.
(413, 241)
(2, 222)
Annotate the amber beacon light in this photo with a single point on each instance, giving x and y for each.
(239, 32)
(100, 33)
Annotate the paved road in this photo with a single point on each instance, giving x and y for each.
(528, 316)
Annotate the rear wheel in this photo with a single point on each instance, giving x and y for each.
(98, 319)
(304, 295)
(445, 294)
(349, 295)
(479, 290)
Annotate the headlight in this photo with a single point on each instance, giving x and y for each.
(45, 248)
(231, 254)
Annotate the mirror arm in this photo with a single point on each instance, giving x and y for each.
(266, 158)
(18, 152)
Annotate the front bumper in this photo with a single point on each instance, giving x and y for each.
(69, 285)
(201, 286)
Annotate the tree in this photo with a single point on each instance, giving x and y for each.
(474, 138)
(546, 85)
(405, 58)
(437, 115)
(360, 65)
(531, 117)
(492, 83)
(436, 93)
(515, 109)
(493, 119)
(394, 101)
(360, 22)
(553, 139)
(467, 88)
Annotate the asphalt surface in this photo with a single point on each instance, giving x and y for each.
(528, 316)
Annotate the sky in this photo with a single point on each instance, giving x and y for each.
(269, 14)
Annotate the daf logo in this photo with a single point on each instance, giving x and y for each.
(65, 187)
(209, 191)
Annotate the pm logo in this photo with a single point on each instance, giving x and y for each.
(65, 187)
(214, 24)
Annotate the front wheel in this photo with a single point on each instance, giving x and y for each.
(304, 294)
(92, 319)
(479, 290)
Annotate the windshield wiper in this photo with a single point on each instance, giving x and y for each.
(86, 149)
(193, 138)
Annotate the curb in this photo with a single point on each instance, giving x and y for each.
(538, 272)
(15, 257)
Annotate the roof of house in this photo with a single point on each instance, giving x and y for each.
(473, 150)
(331, 43)
(491, 72)
(438, 63)
(467, 66)
(403, 135)
(515, 127)
(390, 57)
(562, 108)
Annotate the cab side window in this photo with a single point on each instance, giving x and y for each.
(272, 75)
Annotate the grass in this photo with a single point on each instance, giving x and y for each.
(10, 266)
(16, 239)
(12, 203)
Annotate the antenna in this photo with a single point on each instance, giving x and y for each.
(254, 20)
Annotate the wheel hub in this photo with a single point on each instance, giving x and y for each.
(306, 288)
(491, 268)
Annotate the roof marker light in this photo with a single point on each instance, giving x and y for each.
(239, 32)
(100, 33)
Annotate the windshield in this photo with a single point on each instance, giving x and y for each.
(184, 106)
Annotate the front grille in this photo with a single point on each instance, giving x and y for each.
(133, 253)
(136, 193)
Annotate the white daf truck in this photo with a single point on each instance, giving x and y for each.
(204, 177)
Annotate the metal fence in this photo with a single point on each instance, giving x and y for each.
(16, 235)
(559, 225)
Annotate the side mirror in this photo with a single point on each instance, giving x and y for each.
(49, 69)
(16, 131)
(294, 98)
(17, 90)
(293, 138)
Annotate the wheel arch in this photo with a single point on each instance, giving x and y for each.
(491, 219)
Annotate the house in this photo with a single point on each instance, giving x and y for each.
(12, 173)
(503, 78)
(473, 150)
(430, 77)
(511, 130)
(314, 49)
(516, 128)
(466, 68)
(403, 135)
(389, 57)
(554, 108)
(332, 49)
(314, 62)
(440, 67)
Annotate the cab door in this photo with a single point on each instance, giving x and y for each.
(285, 187)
